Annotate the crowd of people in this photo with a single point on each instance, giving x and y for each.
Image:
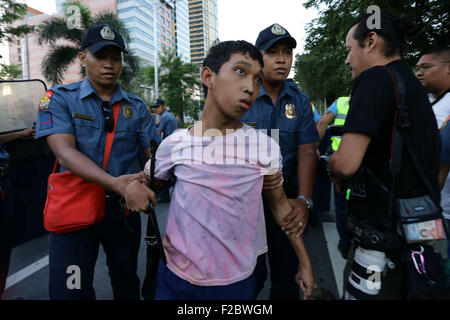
(243, 176)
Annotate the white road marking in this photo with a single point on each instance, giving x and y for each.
(26, 272)
(338, 263)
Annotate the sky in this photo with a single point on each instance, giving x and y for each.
(243, 19)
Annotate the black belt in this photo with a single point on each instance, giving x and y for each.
(5, 170)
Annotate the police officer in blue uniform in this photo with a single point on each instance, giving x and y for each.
(7, 202)
(281, 105)
(75, 119)
(167, 123)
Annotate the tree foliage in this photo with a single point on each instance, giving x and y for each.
(11, 11)
(177, 81)
(10, 72)
(321, 71)
(61, 54)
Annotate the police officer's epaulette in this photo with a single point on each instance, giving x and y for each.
(69, 87)
(134, 97)
(293, 86)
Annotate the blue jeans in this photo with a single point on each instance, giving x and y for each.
(80, 249)
(171, 287)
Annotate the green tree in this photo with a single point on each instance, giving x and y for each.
(177, 81)
(60, 56)
(142, 83)
(10, 72)
(11, 11)
(321, 71)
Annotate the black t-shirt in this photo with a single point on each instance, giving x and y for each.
(371, 112)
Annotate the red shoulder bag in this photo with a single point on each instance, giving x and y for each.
(73, 203)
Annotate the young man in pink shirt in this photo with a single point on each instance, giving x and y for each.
(215, 227)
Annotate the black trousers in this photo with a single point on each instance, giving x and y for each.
(6, 226)
(73, 257)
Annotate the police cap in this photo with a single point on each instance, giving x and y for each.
(101, 36)
(158, 102)
(272, 34)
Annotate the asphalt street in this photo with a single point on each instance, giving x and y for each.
(28, 274)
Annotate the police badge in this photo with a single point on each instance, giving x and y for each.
(127, 111)
(290, 111)
(107, 33)
(278, 30)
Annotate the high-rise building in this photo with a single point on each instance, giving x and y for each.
(203, 27)
(165, 24)
(138, 17)
(180, 31)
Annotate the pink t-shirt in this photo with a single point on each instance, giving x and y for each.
(215, 226)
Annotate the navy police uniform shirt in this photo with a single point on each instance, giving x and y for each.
(167, 124)
(76, 109)
(292, 115)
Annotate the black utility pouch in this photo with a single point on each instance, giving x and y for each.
(371, 238)
(420, 219)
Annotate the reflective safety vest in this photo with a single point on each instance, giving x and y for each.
(339, 119)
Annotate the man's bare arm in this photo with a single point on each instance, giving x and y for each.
(280, 208)
(348, 158)
(22, 134)
(323, 123)
(443, 173)
(306, 168)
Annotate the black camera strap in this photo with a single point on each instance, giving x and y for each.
(155, 249)
(400, 138)
(153, 237)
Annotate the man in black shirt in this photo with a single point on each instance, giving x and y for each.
(366, 143)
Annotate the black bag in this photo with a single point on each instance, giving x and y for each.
(424, 272)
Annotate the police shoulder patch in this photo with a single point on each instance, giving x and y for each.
(44, 103)
(45, 120)
(445, 123)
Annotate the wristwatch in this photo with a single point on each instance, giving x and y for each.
(309, 202)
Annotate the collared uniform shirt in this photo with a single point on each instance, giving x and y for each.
(76, 109)
(167, 124)
(293, 116)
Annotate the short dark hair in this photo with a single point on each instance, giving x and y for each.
(392, 29)
(219, 54)
(442, 52)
